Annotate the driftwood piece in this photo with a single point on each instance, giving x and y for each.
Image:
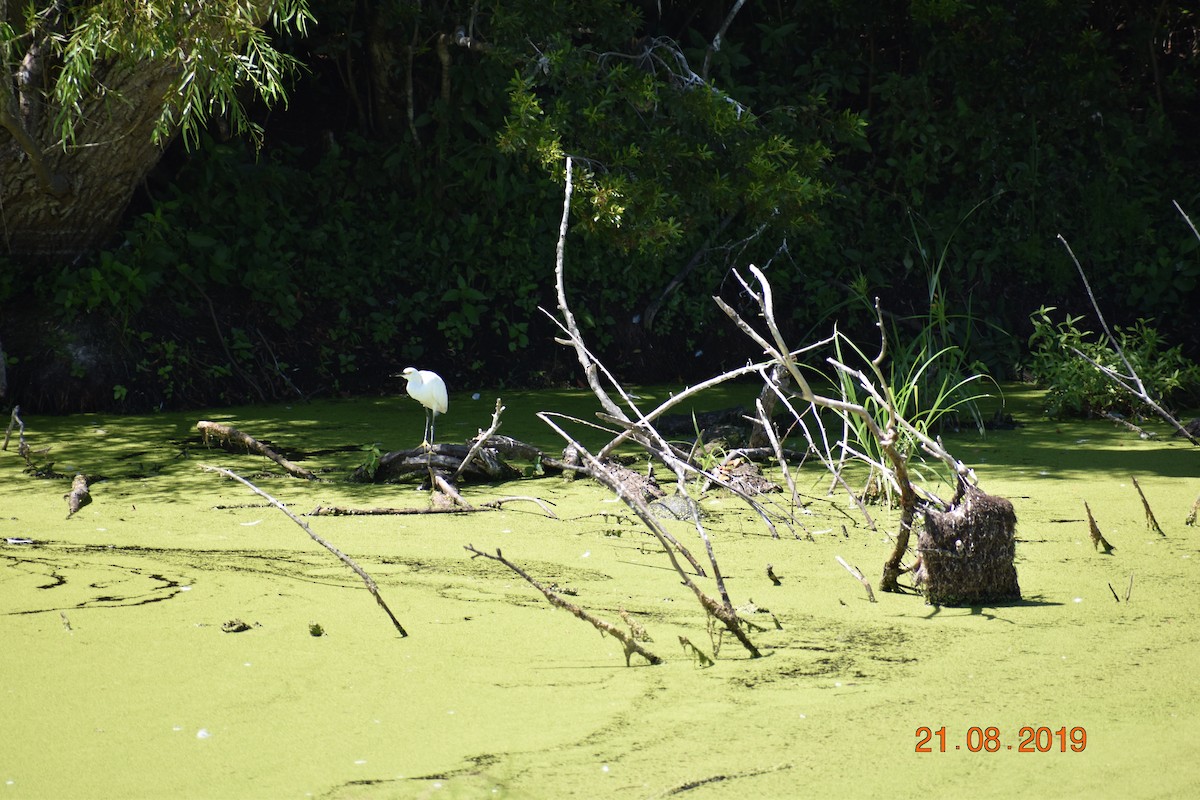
(1191, 517)
(967, 550)
(630, 641)
(79, 496)
(229, 434)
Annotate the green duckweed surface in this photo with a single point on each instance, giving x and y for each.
(119, 680)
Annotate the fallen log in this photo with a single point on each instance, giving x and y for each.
(398, 465)
(231, 435)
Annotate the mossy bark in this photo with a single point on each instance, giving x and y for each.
(967, 551)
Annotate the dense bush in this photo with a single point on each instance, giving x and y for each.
(1062, 356)
(851, 148)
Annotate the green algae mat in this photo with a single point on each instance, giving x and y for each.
(178, 637)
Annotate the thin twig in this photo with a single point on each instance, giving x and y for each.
(769, 432)
(1187, 219)
(542, 504)
(372, 587)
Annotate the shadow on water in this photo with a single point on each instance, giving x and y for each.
(72, 576)
(982, 611)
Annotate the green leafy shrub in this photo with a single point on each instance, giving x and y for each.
(1077, 388)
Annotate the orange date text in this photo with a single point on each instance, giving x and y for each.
(1029, 739)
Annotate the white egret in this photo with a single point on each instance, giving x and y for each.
(428, 389)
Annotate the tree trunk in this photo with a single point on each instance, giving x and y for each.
(59, 200)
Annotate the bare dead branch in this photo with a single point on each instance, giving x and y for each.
(542, 504)
(372, 587)
(628, 640)
(1132, 382)
(448, 489)
(858, 575)
(1187, 219)
(715, 46)
(592, 467)
(14, 419)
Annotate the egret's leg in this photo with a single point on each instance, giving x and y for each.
(432, 422)
(425, 438)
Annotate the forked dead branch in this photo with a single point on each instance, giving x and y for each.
(887, 432)
(970, 507)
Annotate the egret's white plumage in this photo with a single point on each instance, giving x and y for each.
(428, 389)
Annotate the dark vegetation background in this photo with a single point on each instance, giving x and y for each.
(928, 152)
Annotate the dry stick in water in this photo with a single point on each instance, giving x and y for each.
(491, 505)
(1191, 518)
(768, 429)
(628, 641)
(232, 434)
(347, 560)
(448, 489)
(593, 468)
(482, 438)
(1151, 522)
(1129, 590)
(1098, 539)
(861, 578)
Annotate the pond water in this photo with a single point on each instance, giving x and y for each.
(123, 678)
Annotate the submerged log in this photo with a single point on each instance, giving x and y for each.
(418, 463)
(967, 551)
(79, 496)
